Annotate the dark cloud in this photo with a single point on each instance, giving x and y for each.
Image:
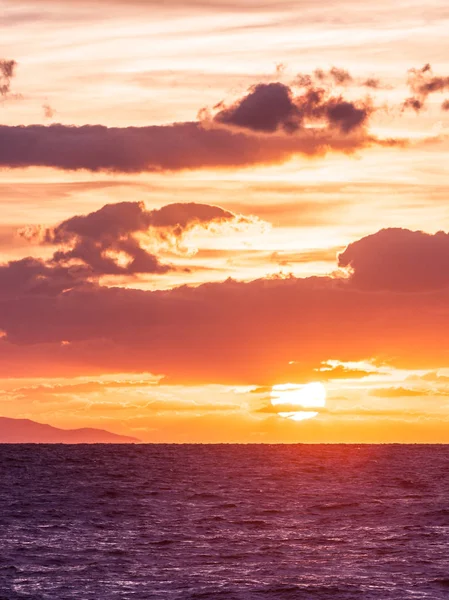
(269, 125)
(182, 145)
(116, 221)
(270, 107)
(445, 105)
(394, 306)
(262, 332)
(267, 107)
(107, 242)
(399, 259)
(36, 276)
(7, 72)
(347, 116)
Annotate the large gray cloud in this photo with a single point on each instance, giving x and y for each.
(170, 148)
(265, 331)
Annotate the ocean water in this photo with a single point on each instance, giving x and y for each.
(226, 522)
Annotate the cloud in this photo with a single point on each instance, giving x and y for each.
(179, 146)
(372, 82)
(394, 308)
(422, 82)
(215, 5)
(267, 107)
(49, 112)
(400, 260)
(342, 372)
(396, 392)
(413, 103)
(356, 412)
(42, 392)
(7, 72)
(432, 376)
(270, 124)
(36, 276)
(265, 331)
(347, 116)
(110, 241)
(270, 107)
(336, 75)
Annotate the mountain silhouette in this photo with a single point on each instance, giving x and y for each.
(25, 431)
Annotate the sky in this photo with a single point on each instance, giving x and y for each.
(226, 220)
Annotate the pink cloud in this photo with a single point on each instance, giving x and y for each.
(399, 260)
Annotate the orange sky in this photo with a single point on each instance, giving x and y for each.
(201, 200)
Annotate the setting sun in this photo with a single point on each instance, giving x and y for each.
(291, 395)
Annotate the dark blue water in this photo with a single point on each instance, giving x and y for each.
(224, 522)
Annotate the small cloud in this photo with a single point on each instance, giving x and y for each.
(49, 112)
(423, 82)
(412, 103)
(340, 76)
(342, 372)
(280, 69)
(372, 83)
(261, 390)
(397, 392)
(7, 72)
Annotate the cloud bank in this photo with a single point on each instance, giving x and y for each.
(181, 146)
(262, 332)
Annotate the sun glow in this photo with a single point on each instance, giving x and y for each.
(290, 397)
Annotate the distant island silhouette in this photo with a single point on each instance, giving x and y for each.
(25, 431)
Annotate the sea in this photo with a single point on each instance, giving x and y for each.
(224, 522)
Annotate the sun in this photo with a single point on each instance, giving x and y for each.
(294, 400)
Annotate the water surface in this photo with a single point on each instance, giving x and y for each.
(228, 522)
